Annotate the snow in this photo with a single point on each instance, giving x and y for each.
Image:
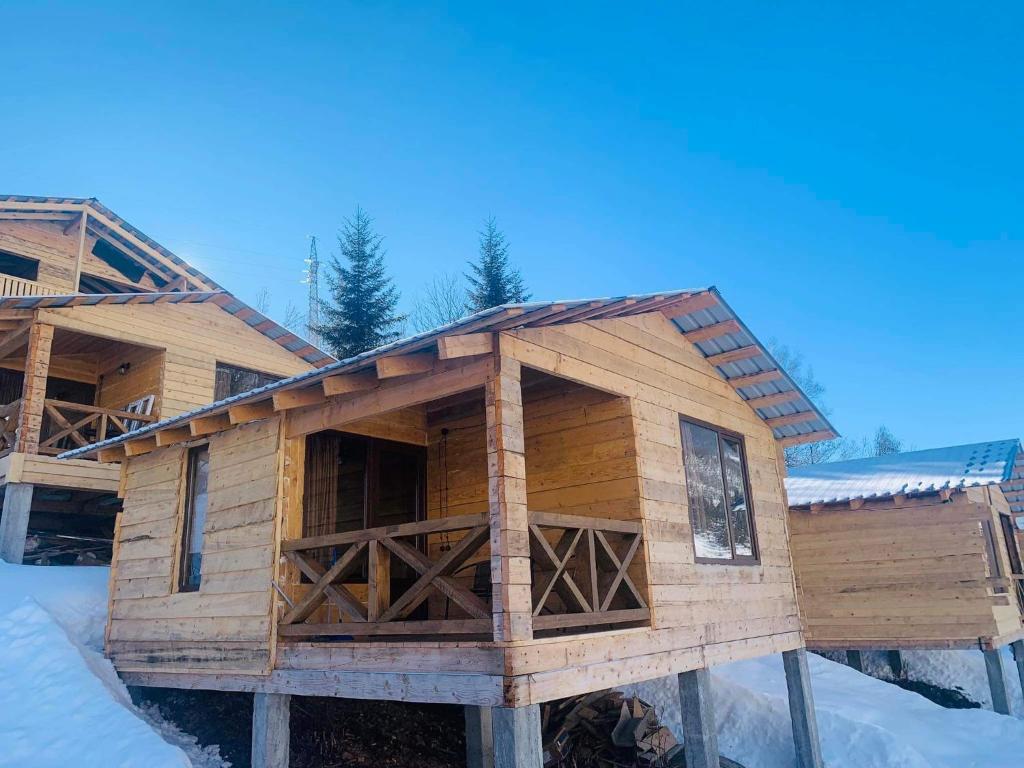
(863, 722)
(63, 703)
(964, 670)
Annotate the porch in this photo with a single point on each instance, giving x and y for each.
(400, 537)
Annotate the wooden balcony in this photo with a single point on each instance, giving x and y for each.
(16, 286)
(68, 425)
(580, 573)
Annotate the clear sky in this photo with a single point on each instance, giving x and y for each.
(850, 178)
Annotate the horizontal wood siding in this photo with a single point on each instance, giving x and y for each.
(729, 611)
(891, 577)
(225, 626)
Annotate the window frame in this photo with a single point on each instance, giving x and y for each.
(220, 365)
(721, 432)
(186, 507)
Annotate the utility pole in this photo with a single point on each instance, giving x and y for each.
(312, 279)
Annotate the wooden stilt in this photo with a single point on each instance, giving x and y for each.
(1018, 657)
(700, 737)
(270, 730)
(516, 733)
(801, 709)
(997, 682)
(14, 521)
(479, 740)
(896, 664)
(855, 660)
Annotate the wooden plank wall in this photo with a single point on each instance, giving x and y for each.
(729, 611)
(891, 577)
(56, 253)
(225, 626)
(144, 377)
(195, 336)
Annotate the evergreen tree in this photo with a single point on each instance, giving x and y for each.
(361, 312)
(492, 279)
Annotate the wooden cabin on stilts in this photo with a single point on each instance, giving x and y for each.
(912, 551)
(103, 330)
(538, 501)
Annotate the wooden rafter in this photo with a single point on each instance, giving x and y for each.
(735, 355)
(405, 365)
(713, 331)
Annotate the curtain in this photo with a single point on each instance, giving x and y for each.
(320, 503)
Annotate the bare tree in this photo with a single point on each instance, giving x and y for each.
(440, 302)
(885, 442)
(263, 300)
(295, 320)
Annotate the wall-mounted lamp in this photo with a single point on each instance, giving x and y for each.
(122, 369)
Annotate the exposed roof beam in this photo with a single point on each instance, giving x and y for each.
(776, 399)
(690, 304)
(296, 398)
(139, 446)
(405, 365)
(711, 331)
(467, 345)
(346, 383)
(261, 409)
(810, 437)
(207, 425)
(14, 340)
(792, 418)
(751, 379)
(172, 435)
(29, 216)
(733, 355)
(113, 453)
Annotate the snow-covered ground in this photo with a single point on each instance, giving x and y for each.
(863, 722)
(62, 702)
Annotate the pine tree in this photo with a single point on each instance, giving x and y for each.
(492, 280)
(361, 312)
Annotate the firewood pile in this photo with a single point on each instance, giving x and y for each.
(609, 730)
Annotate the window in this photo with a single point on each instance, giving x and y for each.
(196, 478)
(719, 495)
(18, 266)
(232, 380)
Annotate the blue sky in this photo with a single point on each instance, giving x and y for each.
(850, 178)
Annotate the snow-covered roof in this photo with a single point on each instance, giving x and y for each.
(700, 315)
(914, 472)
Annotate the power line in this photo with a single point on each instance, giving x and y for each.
(312, 279)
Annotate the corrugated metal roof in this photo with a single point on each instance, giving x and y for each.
(225, 301)
(914, 472)
(691, 310)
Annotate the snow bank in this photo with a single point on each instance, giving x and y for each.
(863, 722)
(964, 670)
(62, 702)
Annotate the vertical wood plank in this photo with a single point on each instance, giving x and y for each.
(801, 709)
(517, 737)
(271, 730)
(479, 739)
(997, 682)
(506, 490)
(14, 521)
(700, 735)
(37, 366)
(379, 587)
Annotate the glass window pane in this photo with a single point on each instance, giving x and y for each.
(736, 491)
(195, 517)
(706, 492)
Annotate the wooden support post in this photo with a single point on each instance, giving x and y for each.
(896, 664)
(855, 660)
(1018, 657)
(517, 738)
(479, 740)
(14, 521)
(33, 393)
(700, 736)
(84, 225)
(801, 709)
(997, 681)
(270, 730)
(379, 586)
(506, 475)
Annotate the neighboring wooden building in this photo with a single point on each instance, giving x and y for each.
(534, 502)
(103, 330)
(910, 551)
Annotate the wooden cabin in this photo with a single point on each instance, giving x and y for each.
(910, 551)
(534, 502)
(103, 330)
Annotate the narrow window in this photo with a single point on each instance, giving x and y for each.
(198, 470)
(232, 380)
(719, 494)
(18, 266)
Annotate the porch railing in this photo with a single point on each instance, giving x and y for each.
(9, 425)
(73, 425)
(580, 573)
(16, 286)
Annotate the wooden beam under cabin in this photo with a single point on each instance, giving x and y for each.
(713, 331)
(296, 398)
(857, 503)
(405, 365)
(346, 383)
(207, 425)
(172, 435)
(751, 379)
(245, 412)
(139, 446)
(466, 345)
